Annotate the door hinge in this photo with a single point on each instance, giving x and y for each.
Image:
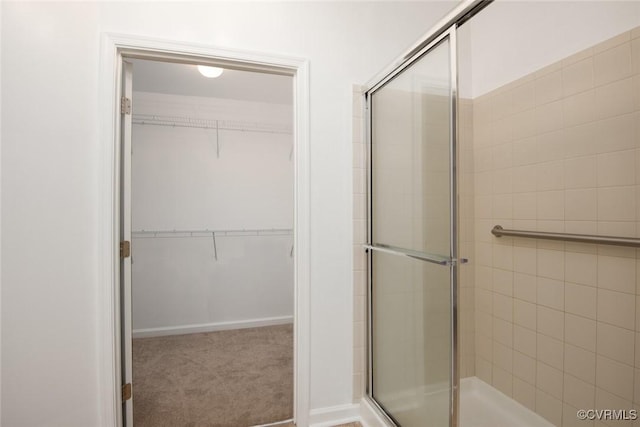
(125, 105)
(125, 249)
(126, 392)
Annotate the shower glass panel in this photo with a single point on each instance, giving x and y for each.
(411, 345)
(411, 122)
(412, 262)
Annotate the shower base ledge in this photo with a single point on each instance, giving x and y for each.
(481, 405)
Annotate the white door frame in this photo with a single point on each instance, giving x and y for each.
(113, 48)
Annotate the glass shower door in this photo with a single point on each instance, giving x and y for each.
(412, 240)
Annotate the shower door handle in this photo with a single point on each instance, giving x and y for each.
(423, 256)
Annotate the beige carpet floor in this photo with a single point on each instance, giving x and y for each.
(236, 378)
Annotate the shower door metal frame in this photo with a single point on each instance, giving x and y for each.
(446, 28)
(451, 261)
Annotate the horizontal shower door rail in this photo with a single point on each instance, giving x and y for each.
(432, 258)
(498, 231)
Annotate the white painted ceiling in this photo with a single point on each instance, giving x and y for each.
(183, 79)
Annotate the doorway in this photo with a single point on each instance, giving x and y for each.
(210, 206)
(117, 50)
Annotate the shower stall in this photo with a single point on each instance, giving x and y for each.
(502, 220)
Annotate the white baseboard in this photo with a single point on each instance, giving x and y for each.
(276, 424)
(334, 415)
(211, 327)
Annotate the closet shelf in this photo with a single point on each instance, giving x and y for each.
(194, 122)
(150, 234)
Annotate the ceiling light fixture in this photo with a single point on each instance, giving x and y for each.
(210, 72)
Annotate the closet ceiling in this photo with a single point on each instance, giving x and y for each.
(181, 79)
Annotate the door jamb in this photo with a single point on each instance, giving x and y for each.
(113, 48)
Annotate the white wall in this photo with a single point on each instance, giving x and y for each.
(510, 39)
(1, 218)
(50, 149)
(183, 283)
(180, 183)
(179, 287)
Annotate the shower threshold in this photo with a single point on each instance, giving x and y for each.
(481, 405)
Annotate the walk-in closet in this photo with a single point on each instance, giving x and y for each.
(212, 286)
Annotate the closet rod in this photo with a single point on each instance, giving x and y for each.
(147, 234)
(191, 122)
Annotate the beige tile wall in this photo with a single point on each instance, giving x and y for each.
(558, 324)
